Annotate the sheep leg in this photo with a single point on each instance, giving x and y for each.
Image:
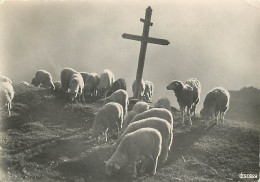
(8, 108)
(188, 112)
(134, 170)
(216, 116)
(106, 135)
(222, 117)
(182, 113)
(194, 110)
(154, 165)
(144, 165)
(164, 153)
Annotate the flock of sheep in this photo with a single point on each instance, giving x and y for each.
(142, 134)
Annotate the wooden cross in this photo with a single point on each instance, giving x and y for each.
(144, 40)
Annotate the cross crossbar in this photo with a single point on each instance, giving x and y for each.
(148, 39)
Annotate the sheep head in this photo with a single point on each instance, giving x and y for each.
(111, 167)
(175, 85)
(35, 82)
(207, 112)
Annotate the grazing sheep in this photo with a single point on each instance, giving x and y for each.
(65, 77)
(187, 94)
(43, 78)
(138, 108)
(34, 82)
(118, 84)
(106, 79)
(163, 103)
(76, 86)
(91, 83)
(162, 125)
(140, 93)
(109, 117)
(84, 75)
(5, 79)
(216, 102)
(155, 112)
(24, 83)
(119, 96)
(57, 85)
(6, 95)
(148, 91)
(144, 143)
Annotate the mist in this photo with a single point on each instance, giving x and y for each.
(214, 41)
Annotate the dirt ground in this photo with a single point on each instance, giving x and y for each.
(46, 139)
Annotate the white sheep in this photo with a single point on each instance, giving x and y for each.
(144, 143)
(107, 78)
(109, 118)
(65, 77)
(155, 112)
(76, 86)
(162, 125)
(216, 103)
(188, 95)
(43, 78)
(148, 91)
(163, 102)
(24, 83)
(138, 108)
(5, 79)
(140, 93)
(120, 96)
(91, 83)
(6, 95)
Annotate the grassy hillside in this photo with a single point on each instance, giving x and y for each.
(46, 139)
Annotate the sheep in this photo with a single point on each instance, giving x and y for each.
(118, 84)
(84, 75)
(163, 103)
(91, 83)
(143, 143)
(162, 125)
(148, 91)
(57, 85)
(6, 95)
(109, 117)
(120, 96)
(24, 83)
(106, 79)
(216, 102)
(5, 79)
(188, 95)
(35, 82)
(76, 86)
(65, 77)
(138, 108)
(140, 93)
(43, 78)
(155, 112)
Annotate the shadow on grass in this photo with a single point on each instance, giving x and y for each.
(91, 167)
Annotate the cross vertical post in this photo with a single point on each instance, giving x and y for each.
(140, 68)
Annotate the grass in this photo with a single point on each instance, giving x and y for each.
(46, 139)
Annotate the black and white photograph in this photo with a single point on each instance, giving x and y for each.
(129, 90)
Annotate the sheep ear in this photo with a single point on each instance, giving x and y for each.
(117, 166)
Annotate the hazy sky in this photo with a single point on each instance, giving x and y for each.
(216, 41)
